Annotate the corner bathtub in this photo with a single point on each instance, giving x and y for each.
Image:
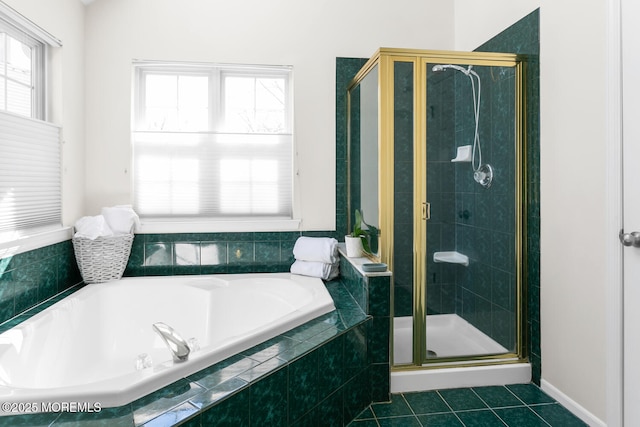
(85, 347)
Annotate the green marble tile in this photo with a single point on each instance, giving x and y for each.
(530, 393)
(497, 396)
(520, 417)
(367, 414)
(163, 400)
(461, 399)
(426, 402)
(241, 252)
(440, 420)
(408, 421)
(356, 359)
(220, 372)
(174, 416)
(331, 366)
(271, 348)
(107, 417)
(557, 415)
(231, 412)
(218, 393)
(303, 385)
(267, 251)
(25, 288)
(262, 370)
(484, 418)
(269, 401)
(329, 411)
(397, 407)
(158, 254)
(364, 423)
(31, 420)
(356, 395)
(380, 382)
(6, 296)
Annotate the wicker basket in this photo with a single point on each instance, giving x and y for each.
(103, 259)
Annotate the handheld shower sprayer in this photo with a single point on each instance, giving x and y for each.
(482, 173)
(466, 71)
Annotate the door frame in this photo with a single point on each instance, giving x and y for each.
(613, 262)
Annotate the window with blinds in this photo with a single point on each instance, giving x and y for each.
(30, 179)
(212, 142)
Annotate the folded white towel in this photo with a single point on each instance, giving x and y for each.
(122, 219)
(316, 269)
(92, 227)
(318, 249)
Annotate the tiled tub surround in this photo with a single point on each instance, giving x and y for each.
(87, 346)
(326, 371)
(210, 253)
(29, 278)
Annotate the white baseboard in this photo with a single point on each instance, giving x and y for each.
(571, 405)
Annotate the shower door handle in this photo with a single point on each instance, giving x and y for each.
(426, 210)
(630, 239)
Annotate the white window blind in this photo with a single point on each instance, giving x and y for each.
(212, 142)
(29, 174)
(30, 179)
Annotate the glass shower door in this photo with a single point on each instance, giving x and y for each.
(471, 238)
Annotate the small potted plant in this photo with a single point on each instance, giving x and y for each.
(356, 241)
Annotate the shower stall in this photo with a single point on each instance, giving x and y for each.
(436, 163)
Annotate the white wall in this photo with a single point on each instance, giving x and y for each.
(573, 199)
(64, 19)
(307, 35)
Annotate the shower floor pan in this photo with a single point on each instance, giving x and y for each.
(449, 335)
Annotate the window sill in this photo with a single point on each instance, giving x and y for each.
(227, 226)
(36, 239)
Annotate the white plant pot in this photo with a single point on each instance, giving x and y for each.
(354, 246)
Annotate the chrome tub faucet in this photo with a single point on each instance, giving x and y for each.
(177, 345)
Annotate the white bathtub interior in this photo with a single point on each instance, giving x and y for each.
(449, 335)
(86, 346)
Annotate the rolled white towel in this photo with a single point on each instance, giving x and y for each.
(92, 227)
(122, 219)
(316, 269)
(318, 249)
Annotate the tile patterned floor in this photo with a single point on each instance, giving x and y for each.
(519, 405)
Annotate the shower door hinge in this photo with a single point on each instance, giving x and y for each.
(426, 210)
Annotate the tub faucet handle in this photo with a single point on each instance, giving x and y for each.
(177, 345)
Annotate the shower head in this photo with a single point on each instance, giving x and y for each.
(442, 67)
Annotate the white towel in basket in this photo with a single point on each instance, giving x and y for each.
(92, 227)
(122, 219)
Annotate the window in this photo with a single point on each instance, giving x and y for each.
(212, 142)
(30, 179)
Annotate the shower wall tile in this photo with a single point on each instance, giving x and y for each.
(523, 38)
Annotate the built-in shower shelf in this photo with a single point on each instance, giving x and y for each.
(451, 257)
(463, 154)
